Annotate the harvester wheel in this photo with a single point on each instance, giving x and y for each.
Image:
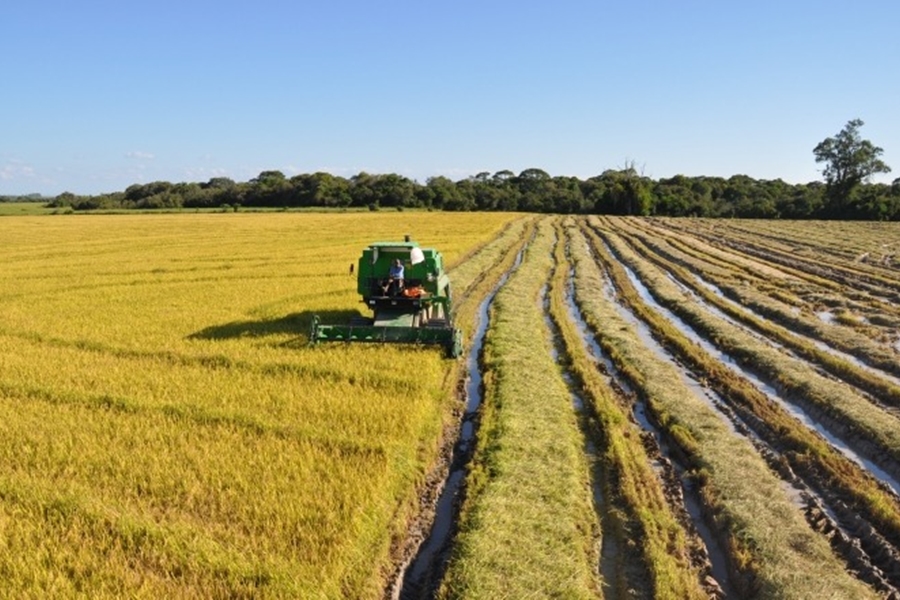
(455, 347)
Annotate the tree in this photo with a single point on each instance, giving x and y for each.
(625, 193)
(393, 190)
(328, 190)
(445, 194)
(63, 200)
(269, 188)
(567, 196)
(849, 161)
(535, 189)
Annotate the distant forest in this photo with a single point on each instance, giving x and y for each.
(615, 192)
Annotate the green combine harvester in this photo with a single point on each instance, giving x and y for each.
(409, 293)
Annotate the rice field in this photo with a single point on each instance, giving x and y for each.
(166, 431)
(672, 408)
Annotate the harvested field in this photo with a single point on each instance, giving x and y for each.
(666, 408)
(767, 466)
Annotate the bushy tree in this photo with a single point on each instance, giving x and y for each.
(849, 161)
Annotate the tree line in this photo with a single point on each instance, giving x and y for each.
(845, 194)
(617, 192)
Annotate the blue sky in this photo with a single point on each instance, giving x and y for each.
(99, 94)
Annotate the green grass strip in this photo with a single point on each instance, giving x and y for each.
(528, 528)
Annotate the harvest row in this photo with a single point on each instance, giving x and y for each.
(765, 480)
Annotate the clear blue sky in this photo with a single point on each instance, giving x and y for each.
(99, 94)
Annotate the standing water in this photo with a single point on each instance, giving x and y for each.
(424, 572)
(795, 410)
(692, 504)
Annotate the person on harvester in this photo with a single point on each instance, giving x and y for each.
(395, 278)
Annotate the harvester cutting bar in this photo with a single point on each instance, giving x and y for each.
(448, 337)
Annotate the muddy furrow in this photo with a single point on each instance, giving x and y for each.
(856, 347)
(730, 263)
(829, 245)
(423, 575)
(880, 287)
(818, 285)
(865, 303)
(841, 243)
(704, 560)
(882, 387)
(742, 354)
(867, 552)
(527, 527)
(619, 564)
(714, 451)
(817, 479)
(827, 406)
(422, 556)
(830, 516)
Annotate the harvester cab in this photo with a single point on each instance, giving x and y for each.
(408, 292)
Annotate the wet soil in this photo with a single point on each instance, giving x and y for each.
(423, 554)
(867, 554)
(682, 495)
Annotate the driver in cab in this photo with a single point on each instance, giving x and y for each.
(395, 278)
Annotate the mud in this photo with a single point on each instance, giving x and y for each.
(612, 554)
(865, 551)
(681, 494)
(840, 435)
(825, 316)
(856, 279)
(872, 558)
(863, 344)
(429, 540)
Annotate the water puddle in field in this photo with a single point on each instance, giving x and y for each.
(794, 410)
(869, 555)
(692, 504)
(826, 316)
(423, 574)
(716, 311)
(609, 547)
(823, 346)
(708, 396)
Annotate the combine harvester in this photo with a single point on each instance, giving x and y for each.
(413, 308)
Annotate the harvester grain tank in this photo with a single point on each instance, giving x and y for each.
(413, 310)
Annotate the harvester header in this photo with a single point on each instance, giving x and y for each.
(408, 292)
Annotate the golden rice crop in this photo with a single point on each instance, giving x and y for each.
(165, 430)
